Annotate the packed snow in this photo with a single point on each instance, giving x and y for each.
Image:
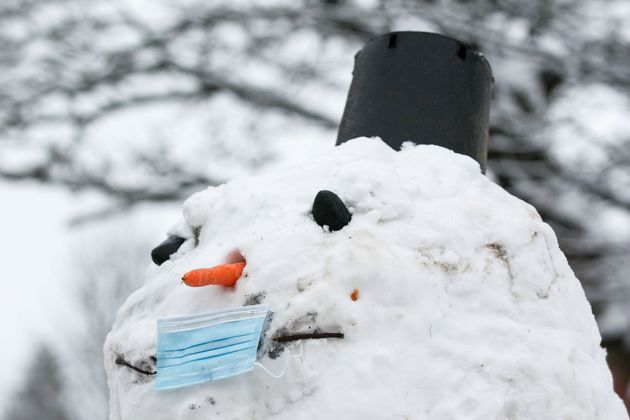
(465, 308)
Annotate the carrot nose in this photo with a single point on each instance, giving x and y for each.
(221, 275)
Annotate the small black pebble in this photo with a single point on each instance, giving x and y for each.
(329, 210)
(163, 251)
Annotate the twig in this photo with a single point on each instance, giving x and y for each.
(123, 362)
(305, 336)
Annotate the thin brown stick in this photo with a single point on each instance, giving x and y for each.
(295, 337)
(123, 362)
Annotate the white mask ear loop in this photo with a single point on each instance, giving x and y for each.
(286, 364)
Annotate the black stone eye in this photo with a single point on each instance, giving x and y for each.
(163, 251)
(329, 210)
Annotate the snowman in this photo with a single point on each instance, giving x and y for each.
(373, 282)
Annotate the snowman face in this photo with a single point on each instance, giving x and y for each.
(452, 297)
(328, 211)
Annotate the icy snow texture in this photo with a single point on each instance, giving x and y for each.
(467, 308)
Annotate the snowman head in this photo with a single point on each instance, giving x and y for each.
(452, 298)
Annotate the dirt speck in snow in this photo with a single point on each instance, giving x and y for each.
(355, 295)
(499, 251)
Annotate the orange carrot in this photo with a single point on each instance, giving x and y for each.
(221, 275)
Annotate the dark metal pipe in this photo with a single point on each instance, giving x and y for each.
(420, 87)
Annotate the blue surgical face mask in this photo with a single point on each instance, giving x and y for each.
(206, 347)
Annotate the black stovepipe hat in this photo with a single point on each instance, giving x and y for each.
(420, 87)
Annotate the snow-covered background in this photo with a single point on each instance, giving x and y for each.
(112, 112)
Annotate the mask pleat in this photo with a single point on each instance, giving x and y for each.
(205, 355)
(199, 348)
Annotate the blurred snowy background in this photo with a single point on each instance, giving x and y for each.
(112, 112)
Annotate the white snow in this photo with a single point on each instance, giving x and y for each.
(467, 307)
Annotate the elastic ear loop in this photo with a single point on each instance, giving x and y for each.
(286, 364)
